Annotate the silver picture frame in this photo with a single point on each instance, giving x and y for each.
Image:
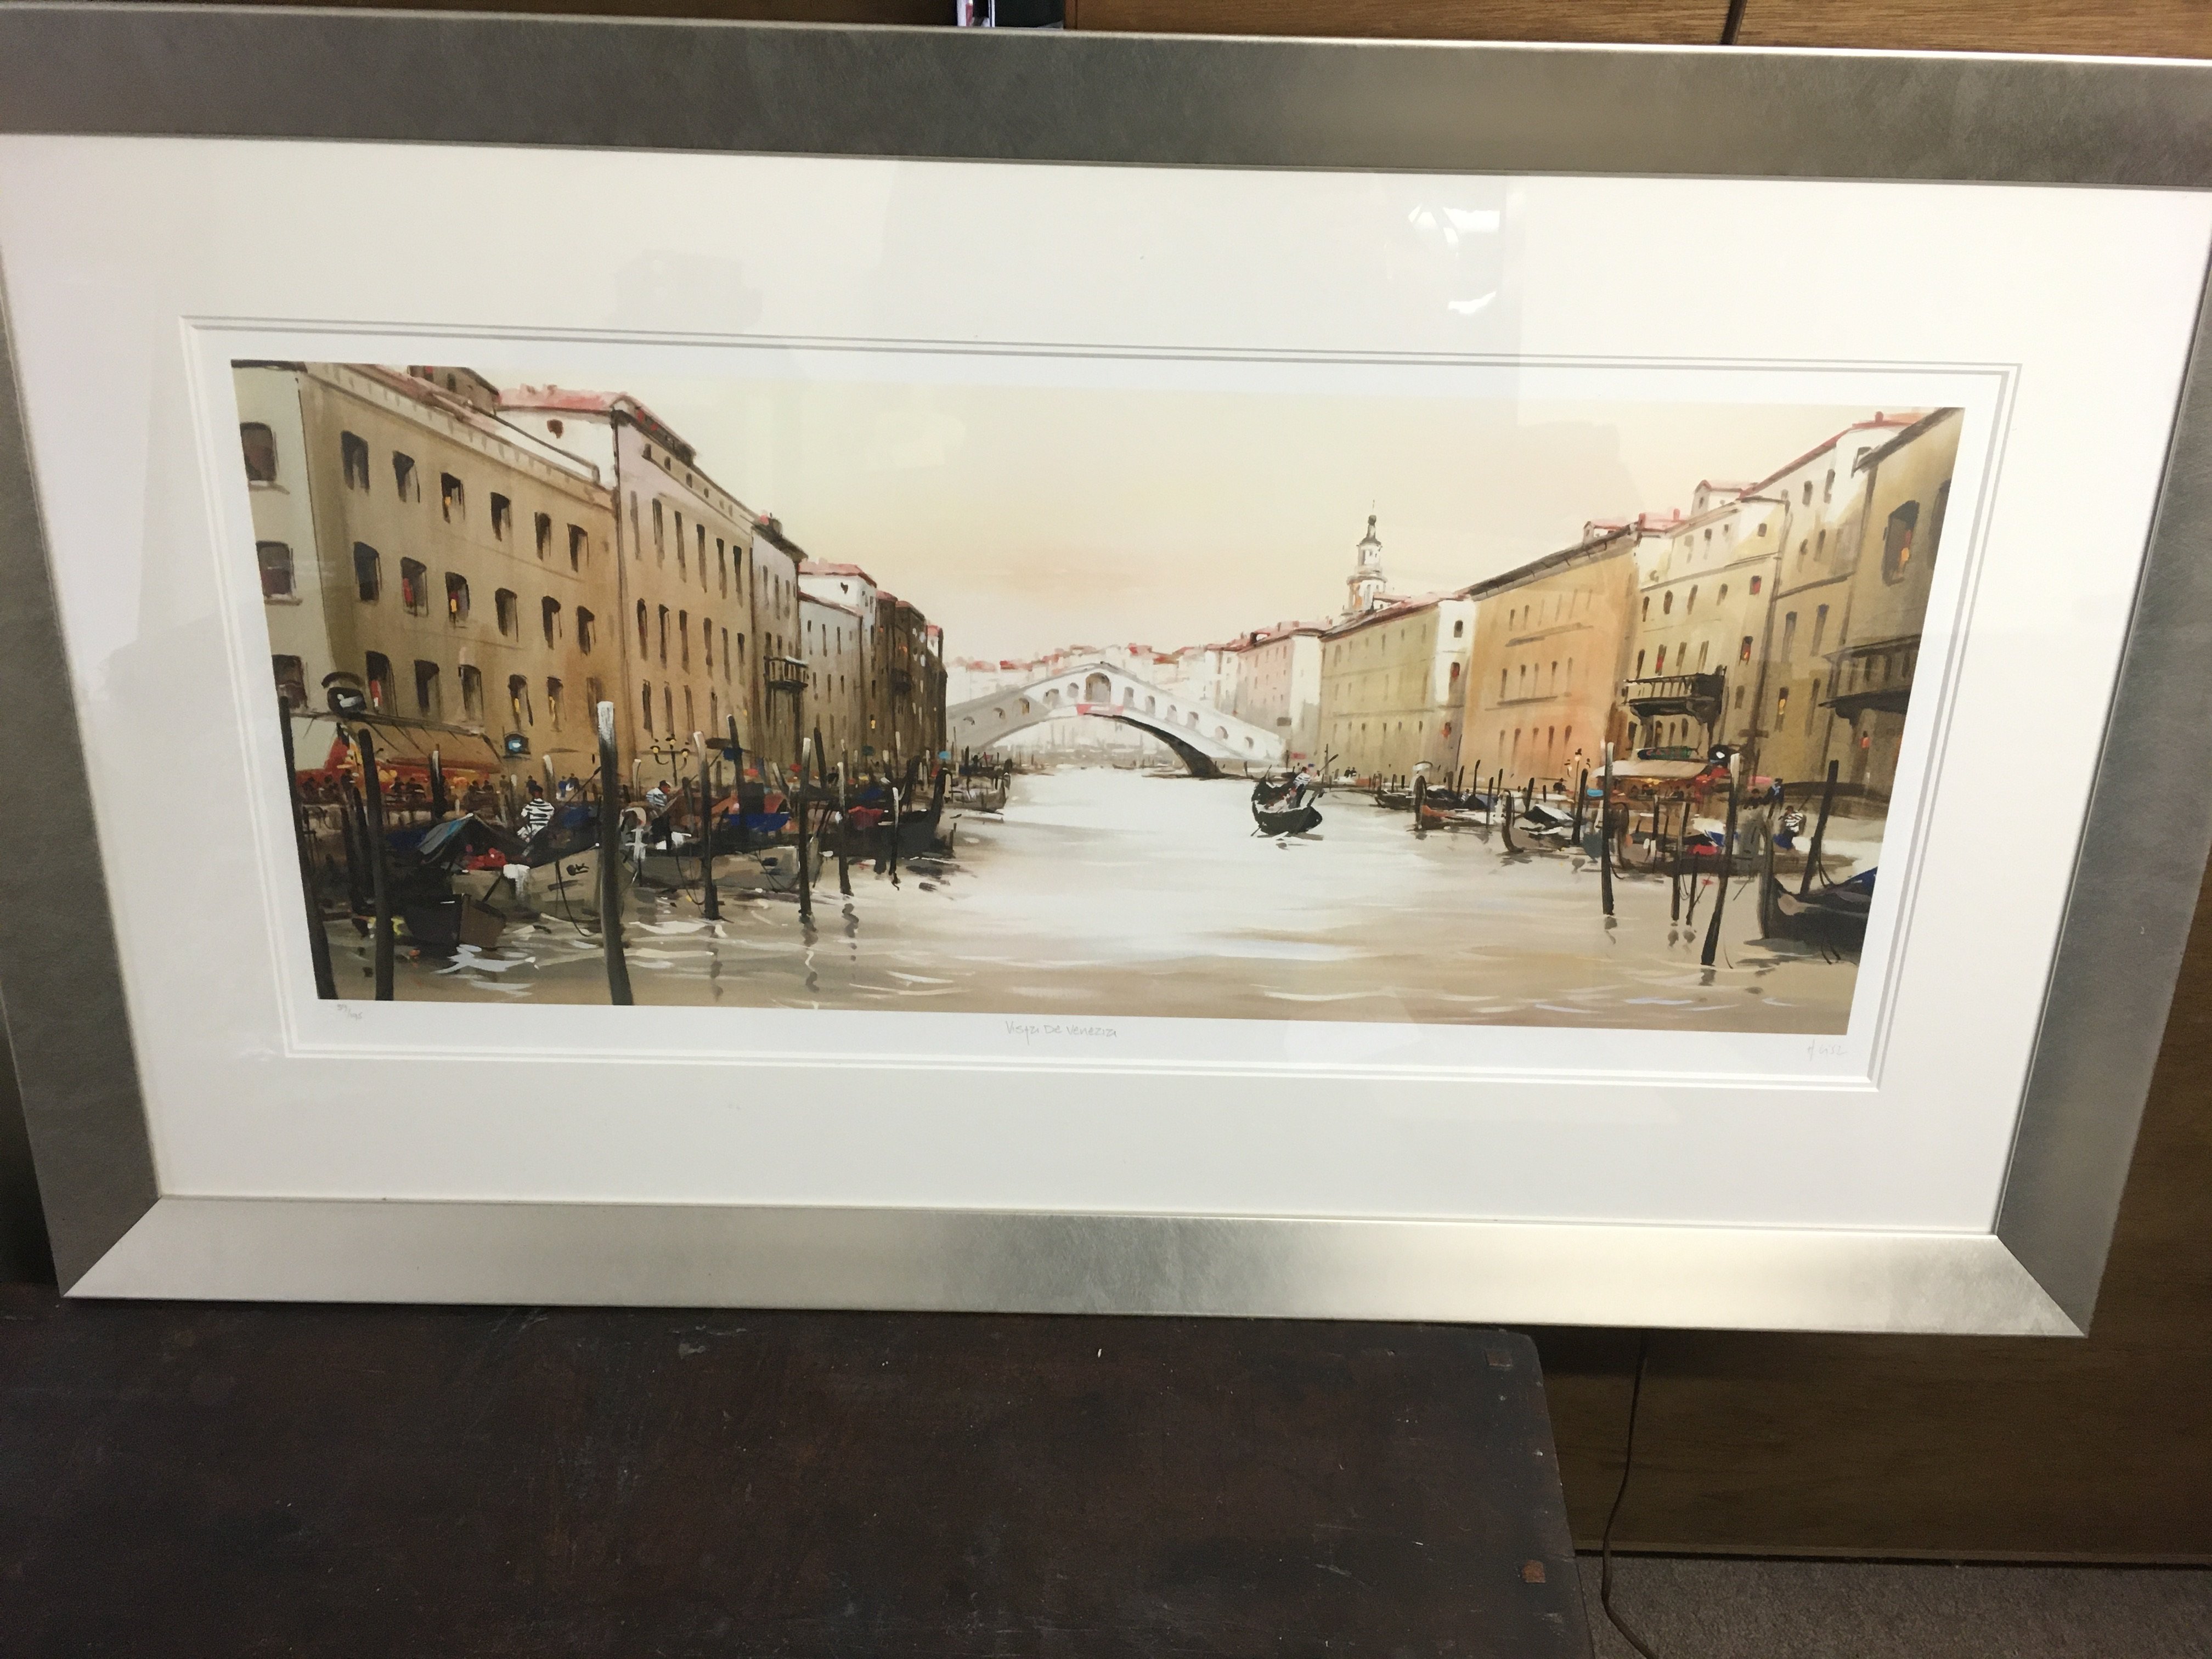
(1185, 101)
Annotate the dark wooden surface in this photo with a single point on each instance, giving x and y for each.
(195, 1481)
(2173, 28)
(2100, 1449)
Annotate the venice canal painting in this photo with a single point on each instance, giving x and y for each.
(1072, 703)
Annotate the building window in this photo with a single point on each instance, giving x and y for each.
(725, 651)
(1667, 605)
(1659, 666)
(642, 649)
(1781, 707)
(721, 569)
(679, 545)
(353, 455)
(1896, 542)
(545, 527)
(645, 706)
(636, 548)
(707, 641)
(404, 481)
(690, 717)
(684, 639)
(1788, 636)
(507, 611)
(275, 560)
(1819, 628)
(260, 445)
(594, 695)
(414, 587)
(1647, 608)
(668, 710)
(426, 689)
(660, 541)
(502, 513)
(585, 623)
(575, 547)
(1690, 604)
(553, 703)
(664, 633)
(1812, 706)
(1743, 650)
(517, 703)
(291, 680)
(367, 572)
(1754, 584)
(1458, 630)
(1808, 492)
(1820, 545)
(714, 712)
(451, 500)
(1828, 490)
(701, 532)
(380, 681)
(457, 598)
(472, 694)
(548, 617)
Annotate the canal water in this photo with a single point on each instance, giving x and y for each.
(1116, 893)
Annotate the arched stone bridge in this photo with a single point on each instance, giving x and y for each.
(1203, 736)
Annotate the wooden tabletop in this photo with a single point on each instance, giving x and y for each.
(202, 1480)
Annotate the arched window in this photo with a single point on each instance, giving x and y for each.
(518, 701)
(548, 617)
(641, 628)
(1667, 605)
(645, 706)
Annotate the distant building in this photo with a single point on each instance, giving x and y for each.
(451, 567)
(1274, 680)
(837, 621)
(1392, 686)
(1550, 653)
(1366, 590)
(777, 559)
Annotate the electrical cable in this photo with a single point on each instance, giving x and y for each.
(1605, 1543)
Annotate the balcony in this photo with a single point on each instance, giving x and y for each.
(784, 674)
(1700, 697)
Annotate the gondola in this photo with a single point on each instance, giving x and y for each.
(1835, 916)
(1292, 820)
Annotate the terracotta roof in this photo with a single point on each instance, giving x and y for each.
(1880, 423)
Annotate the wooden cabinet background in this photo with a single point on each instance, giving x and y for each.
(2099, 1449)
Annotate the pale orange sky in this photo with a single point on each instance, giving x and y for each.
(1022, 517)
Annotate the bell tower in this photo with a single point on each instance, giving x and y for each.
(1364, 584)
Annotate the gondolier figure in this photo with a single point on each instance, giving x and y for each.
(537, 811)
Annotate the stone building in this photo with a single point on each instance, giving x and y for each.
(1905, 487)
(1550, 651)
(1697, 641)
(453, 569)
(1392, 686)
(1823, 497)
(681, 612)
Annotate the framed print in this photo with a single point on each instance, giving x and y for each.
(981, 672)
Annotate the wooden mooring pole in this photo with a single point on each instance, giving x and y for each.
(380, 886)
(1728, 862)
(1819, 832)
(1605, 835)
(610, 940)
(318, 941)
